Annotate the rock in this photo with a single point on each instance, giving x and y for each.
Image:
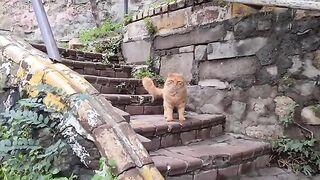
(310, 115)
(296, 66)
(186, 49)
(200, 53)
(130, 53)
(284, 106)
(228, 69)
(262, 91)
(199, 35)
(266, 132)
(230, 49)
(214, 83)
(309, 70)
(272, 70)
(179, 63)
(211, 108)
(238, 109)
(75, 44)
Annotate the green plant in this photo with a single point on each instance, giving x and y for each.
(127, 19)
(108, 28)
(297, 155)
(22, 155)
(149, 72)
(316, 108)
(287, 81)
(104, 172)
(149, 25)
(289, 117)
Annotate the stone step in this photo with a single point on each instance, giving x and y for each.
(128, 99)
(135, 104)
(227, 155)
(111, 85)
(124, 114)
(166, 134)
(99, 69)
(78, 55)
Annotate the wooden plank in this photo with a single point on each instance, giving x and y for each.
(295, 4)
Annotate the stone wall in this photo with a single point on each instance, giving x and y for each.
(251, 68)
(67, 17)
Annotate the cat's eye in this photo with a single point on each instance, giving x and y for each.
(170, 82)
(180, 83)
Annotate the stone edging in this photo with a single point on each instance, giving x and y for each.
(166, 8)
(94, 119)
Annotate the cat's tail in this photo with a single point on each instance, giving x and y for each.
(150, 87)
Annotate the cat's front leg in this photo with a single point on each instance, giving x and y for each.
(181, 110)
(168, 112)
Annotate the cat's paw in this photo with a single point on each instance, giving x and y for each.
(169, 119)
(182, 118)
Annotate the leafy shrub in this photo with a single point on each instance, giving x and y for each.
(104, 172)
(149, 72)
(149, 25)
(297, 155)
(108, 28)
(21, 154)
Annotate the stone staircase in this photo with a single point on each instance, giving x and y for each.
(198, 149)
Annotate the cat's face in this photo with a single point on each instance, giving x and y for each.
(175, 81)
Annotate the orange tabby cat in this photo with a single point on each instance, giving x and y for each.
(174, 94)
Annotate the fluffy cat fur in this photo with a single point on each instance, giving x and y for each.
(174, 94)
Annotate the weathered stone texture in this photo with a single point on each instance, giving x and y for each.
(180, 63)
(136, 52)
(231, 49)
(228, 69)
(195, 36)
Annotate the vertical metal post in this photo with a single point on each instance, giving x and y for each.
(126, 4)
(45, 29)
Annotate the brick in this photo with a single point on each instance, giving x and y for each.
(231, 49)
(153, 110)
(163, 163)
(216, 131)
(157, 10)
(107, 73)
(80, 71)
(91, 79)
(134, 110)
(164, 8)
(131, 174)
(228, 171)
(151, 12)
(172, 6)
(153, 145)
(206, 175)
(203, 133)
(97, 86)
(261, 161)
(181, 177)
(186, 137)
(91, 71)
(122, 75)
(245, 167)
(140, 15)
(170, 140)
(130, 53)
(108, 90)
(141, 90)
(181, 4)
